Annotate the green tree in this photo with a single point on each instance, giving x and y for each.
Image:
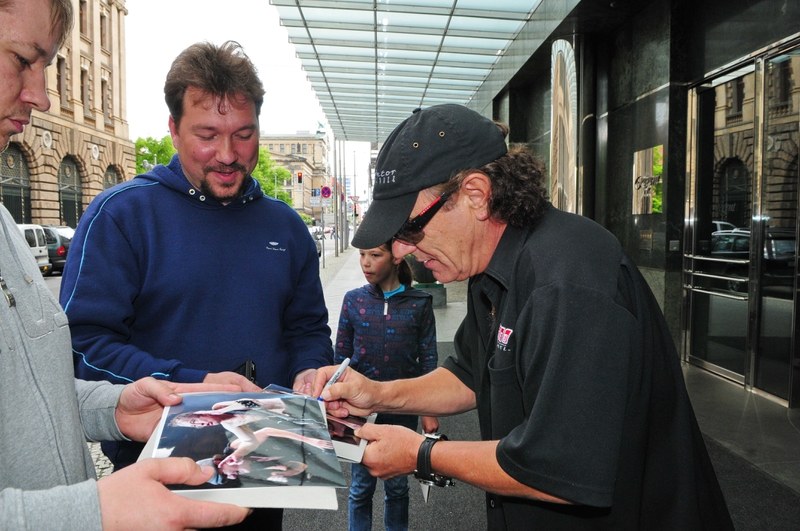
(153, 151)
(267, 173)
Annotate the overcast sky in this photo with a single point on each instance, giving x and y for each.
(158, 30)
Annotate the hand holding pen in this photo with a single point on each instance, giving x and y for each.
(357, 396)
(337, 374)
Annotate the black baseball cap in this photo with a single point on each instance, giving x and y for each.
(426, 149)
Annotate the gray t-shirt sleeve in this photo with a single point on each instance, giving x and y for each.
(97, 402)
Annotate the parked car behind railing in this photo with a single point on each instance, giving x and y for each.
(778, 257)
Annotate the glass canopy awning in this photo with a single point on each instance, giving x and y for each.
(372, 62)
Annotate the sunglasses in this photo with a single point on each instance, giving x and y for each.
(411, 231)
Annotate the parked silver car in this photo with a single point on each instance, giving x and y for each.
(34, 235)
(778, 258)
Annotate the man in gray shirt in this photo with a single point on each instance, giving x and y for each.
(46, 416)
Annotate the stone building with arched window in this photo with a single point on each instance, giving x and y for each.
(68, 155)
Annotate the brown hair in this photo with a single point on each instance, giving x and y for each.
(404, 273)
(60, 16)
(519, 196)
(224, 72)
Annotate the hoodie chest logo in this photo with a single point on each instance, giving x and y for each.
(275, 246)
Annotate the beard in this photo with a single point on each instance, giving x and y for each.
(229, 191)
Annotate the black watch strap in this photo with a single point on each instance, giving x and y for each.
(424, 472)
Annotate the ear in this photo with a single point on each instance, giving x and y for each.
(173, 129)
(477, 189)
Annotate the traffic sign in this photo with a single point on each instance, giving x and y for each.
(325, 191)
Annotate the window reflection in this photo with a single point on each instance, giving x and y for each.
(779, 212)
(743, 265)
(724, 187)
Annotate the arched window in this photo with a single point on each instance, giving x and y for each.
(70, 195)
(15, 184)
(111, 178)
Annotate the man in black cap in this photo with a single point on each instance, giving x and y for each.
(584, 417)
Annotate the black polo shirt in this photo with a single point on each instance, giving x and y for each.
(576, 374)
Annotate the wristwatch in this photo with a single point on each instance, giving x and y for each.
(424, 473)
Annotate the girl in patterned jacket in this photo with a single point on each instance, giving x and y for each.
(388, 330)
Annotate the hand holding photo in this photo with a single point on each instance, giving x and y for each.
(267, 450)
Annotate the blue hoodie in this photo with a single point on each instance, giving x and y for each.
(162, 281)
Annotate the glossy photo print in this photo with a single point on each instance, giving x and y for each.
(252, 440)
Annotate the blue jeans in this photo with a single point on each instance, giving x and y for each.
(362, 488)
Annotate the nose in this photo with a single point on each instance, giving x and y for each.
(226, 153)
(401, 249)
(34, 91)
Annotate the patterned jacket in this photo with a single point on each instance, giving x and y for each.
(387, 339)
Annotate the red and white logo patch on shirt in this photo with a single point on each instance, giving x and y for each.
(503, 335)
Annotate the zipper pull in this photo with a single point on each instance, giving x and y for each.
(385, 306)
(7, 292)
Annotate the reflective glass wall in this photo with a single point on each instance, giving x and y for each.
(778, 265)
(741, 226)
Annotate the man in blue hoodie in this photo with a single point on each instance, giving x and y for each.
(188, 271)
